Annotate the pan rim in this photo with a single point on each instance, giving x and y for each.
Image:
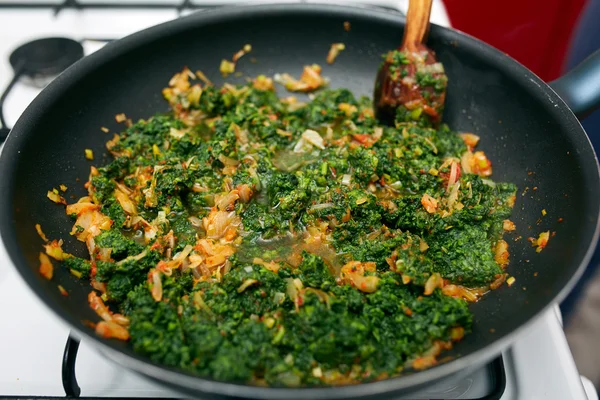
(185, 381)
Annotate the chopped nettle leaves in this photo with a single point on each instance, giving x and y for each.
(249, 238)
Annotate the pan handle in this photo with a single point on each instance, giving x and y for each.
(580, 87)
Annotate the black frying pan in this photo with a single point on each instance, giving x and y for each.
(530, 134)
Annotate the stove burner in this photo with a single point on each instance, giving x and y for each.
(43, 59)
(39, 62)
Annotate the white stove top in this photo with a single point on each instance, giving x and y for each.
(538, 366)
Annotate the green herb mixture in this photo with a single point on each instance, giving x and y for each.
(245, 237)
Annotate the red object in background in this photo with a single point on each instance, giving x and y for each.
(534, 32)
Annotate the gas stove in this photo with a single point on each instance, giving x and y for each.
(34, 361)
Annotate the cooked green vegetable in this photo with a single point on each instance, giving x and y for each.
(249, 238)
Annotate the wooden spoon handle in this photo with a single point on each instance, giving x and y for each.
(417, 24)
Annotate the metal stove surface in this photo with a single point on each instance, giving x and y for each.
(538, 366)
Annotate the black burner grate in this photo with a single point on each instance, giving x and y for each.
(184, 5)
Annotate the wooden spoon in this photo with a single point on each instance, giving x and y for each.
(411, 84)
